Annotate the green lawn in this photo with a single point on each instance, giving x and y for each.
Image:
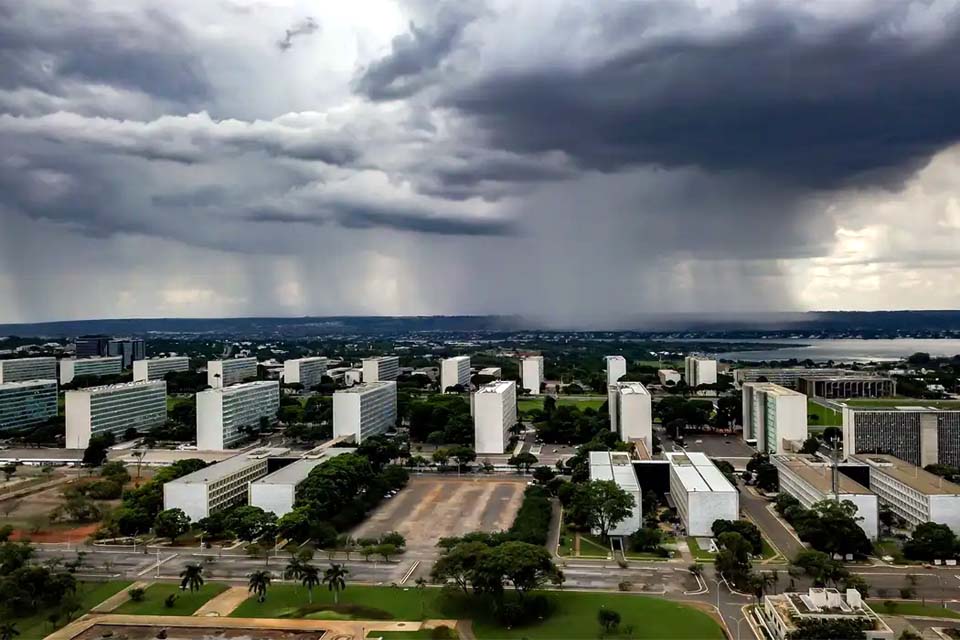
(187, 602)
(822, 416)
(91, 594)
(912, 609)
(901, 402)
(422, 634)
(700, 554)
(581, 402)
(283, 600)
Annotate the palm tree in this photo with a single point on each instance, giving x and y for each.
(258, 584)
(294, 569)
(335, 579)
(8, 630)
(191, 577)
(310, 578)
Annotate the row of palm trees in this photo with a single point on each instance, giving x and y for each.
(335, 577)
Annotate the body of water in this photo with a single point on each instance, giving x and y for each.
(846, 350)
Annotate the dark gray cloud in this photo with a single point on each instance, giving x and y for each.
(303, 28)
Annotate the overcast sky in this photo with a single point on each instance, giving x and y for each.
(580, 162)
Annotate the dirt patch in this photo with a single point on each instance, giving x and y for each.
(77, 534)
(149, 632)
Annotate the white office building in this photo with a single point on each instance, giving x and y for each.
(22, 369)
(616, 368)
(223, 373)
(783, 613)
(775, 416)
(455, 371)
(106, 366)
(222, 413)
(277, 492)
(381, 369)
(669, 377)
(699, 370)
(494, 408)
(701, 493)
(114, 409)
(919, 435)
(365, 410)
(157, 368)
(306, 371)
(27, 403)
(914, 494)
(491, 372)
(631, 415)
(616, 466)
(531, 374)
(810, 480)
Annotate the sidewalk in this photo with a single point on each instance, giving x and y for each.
(119, 598)
(223, 604)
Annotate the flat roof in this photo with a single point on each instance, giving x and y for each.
(307, 359)
(901, 404)
(233, 388)
(857, 377)
(457, 358)
(488, 371)
(363, 387)
(697, 473)
(156, 358)
(631, 388)
(668, 371)
(495, 387)
(219, 470)
(26, 383)
(378, 358)
(772, 388)
(120, 385)
(92, 359)
(616, 466)
(41, 454)
(295, 472)
(914, 477)
(818, 473)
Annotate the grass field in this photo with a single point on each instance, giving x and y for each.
(91, 594)
(822, 416)
(912, 609)
(187, 602)
(902, 402)
(700, 554)
(580, 402)
(400, 604)
(422, 634)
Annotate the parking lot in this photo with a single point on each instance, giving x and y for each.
(716, 446)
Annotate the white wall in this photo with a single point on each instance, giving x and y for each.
(946, 510)
(77, 409)
(616, 368)
(277, 498)
(866, 509)
(209, 420)
(633, 522)
(637, 418)
(190, 498)
(791, 420)
(705, 507)
(346, 415)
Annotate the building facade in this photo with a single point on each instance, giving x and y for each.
(775, 416)
(918, 435)
(216, 487)
(157, 368)
(782, 612)
(23, 369)
(365, 410)
(92, 346)
(669, 377)
(616, 466)
(701, 493)
(631, 414)
(616, 368)
(531, 374)
(223, 413)
(381, 369)
(306, 371)
(277, 492)
(455, 371)
(27, 403)
(223, 373)
(788, 377)
(129, 349)
(699, 370)
(114, 409)
(494, 408)
(106, 366)
(848, 386)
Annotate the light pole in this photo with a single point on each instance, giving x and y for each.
(717, 581)
(739, 620)
(158, 563)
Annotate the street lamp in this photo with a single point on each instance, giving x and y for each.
(717, 582)
(739, 620)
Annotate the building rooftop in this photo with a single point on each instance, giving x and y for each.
(237, 388)
(154, 359)
(630, 388)
(772, 389)
(914, 477)
(53, 455)
(364, 387)
(500, 386)
(307, 359)
(109, 388)
(457, 358)
(93, 359)
(697, 473)
(858, 376)
(616, 466)
(244, 359)
(295, 472)
(26, 383)
(490, 371)
(230, 466)
(378, 358)
(818, 473)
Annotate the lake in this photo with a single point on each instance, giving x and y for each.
(845, 350)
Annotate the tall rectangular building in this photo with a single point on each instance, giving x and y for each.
(699, 370)
(223, 373)
(918, 435)
(114, 409)
(306, 371)
(223, 412)
(129, 349)
(631, 414)
(616, 368)
(22, 369)
(157, 368)
(365, 410)
(455, 371)
(701, 492)
(774, 415)
(26, 403)
(914, 494)
(494, 408)
(91, 346)
(106, 366)
(381, 369)
(531, 374)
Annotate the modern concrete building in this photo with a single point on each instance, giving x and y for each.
(531, 374)
(277, 492)
(788, 377)
(775, 416)
(912, 493)
(106, 366)
(223, 373)
(455, 371)
(129, 349)
(783, 612)
(157, 368)
(699, 370)
(26, 403)
(701, 493)
(616, 466)
(810, 480)
(919, 435)
(616, 368)
(22, 369)
(381, 369)
(847, 386)
(631, 415)
(365, 410)
(306, 371)
(113, 409)
(91, 346)
(669, 377)
(491, 372)
(222, 413)
(494, 409)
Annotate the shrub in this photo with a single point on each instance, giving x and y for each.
(626, 585)
(170, 601)
(532, 524)
(136, 594)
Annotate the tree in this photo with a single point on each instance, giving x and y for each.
(543, 474)
(810, 445)
(8, 630)
(96, 451)
(294, 569)
(523, 460)
(931, 541)
(526, 566)
(386, 550)
(829, 629)
(310, 578)
(336, 580)
(821, 567)
(745, 528)
(258, 583)
(602, 505)
(441, 457)
(395, 538)
(733, 559)
(171, 523)
(9, 470)
(459, 563)
(137, 594)
(609, 620)
(250, 523)
(463, 456)
(191, 577)
(646, 539)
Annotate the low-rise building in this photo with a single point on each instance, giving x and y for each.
(26, 403)
(783, 612)
(788, 377)
(774, 415)
(113, 409)
(157, 368)
(22, 369)
(631, 415)
(224, 412)
(811, 480)
(223, 373)
(381, 369)
(616, 368)
(491, 372)
(701, 493)
(455, 372)
(669, 377)
(494, 409)
(308, 372)
(365, 410)
(616, 466)
(847, 386)
(277, 492)
(914, 494)
(106, 366)
(531, 374)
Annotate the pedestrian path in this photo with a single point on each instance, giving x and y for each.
(118, 598)
(224, 603)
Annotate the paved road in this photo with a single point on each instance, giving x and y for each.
(772, 527)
